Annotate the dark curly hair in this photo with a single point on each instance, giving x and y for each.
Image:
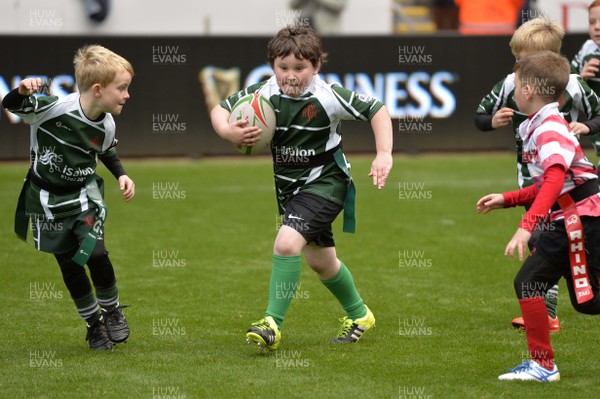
(302, 41)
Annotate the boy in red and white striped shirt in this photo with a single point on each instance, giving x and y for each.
(565, 189)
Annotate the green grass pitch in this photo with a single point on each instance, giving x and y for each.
(192, 254)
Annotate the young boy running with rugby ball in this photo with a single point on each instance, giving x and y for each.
(62, 195)
(311, 190)
(565, 188)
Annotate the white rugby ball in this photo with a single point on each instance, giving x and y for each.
(259, 112)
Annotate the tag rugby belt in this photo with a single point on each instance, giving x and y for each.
(574, 227)
(47, 186)
(587, 189)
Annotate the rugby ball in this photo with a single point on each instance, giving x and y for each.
(259, 112)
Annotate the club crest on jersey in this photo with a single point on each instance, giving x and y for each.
(95, 141)
(310, 111)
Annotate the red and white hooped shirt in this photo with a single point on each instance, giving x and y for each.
(557, 165)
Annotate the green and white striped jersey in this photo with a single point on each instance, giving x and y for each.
(64, 151)
(588, 51)
(578, 103)
(307, 126)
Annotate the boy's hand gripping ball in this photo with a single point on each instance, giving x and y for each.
(260, 113)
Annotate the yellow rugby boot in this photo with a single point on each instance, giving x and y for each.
(352, 330)
(264, 333)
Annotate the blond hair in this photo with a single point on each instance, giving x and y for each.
(538, 34)
(97, 64)
(547, 72)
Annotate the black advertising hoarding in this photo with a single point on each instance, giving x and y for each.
(431, 86)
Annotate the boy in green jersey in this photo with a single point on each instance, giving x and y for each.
(312, 177)
(579, 105)
(62, 195)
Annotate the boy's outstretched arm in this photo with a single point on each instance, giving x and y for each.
(114, 165)
(381, 123)
(519, 241)
(237, 133)
(14, 98)
(490, 202)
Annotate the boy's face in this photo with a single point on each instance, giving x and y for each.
(594, 25)
(294, 75)
(114, 96)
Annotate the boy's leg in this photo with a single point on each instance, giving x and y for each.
(339, 281)
(105, 283)
(306, 215)
(551, 303)
(533, 280)
(321, 256)
(103, 276)
(78, 284)
(547, 263)
(591, 307)
(550, 299)
(285, 279)
(285, 275)
(342, 286)
(79, 287)
(337, 278)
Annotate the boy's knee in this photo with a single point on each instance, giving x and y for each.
(68, 267)
(99, 254)
(288, 242)
(530, 289)
(285, 249)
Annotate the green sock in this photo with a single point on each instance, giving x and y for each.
(108, 297)
(285, 278)
(551, 301)
(343, 288)
(88, 308)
